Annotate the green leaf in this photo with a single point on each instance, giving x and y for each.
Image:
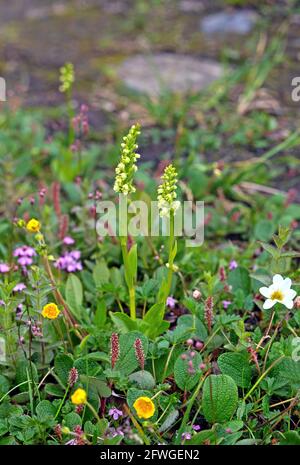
(21, 398)
(87, 366)
(183, 378)
(132, 263)
(123, 322)
(164, 365)
(154, 317)
(127, 362)
(219, 399)
(4, 385)
(100, 315)
(22, 369)
(203, 436)
(237, 366)
(98, 385)
(62, 366)
(195, 326)
(291, 438)
(54, 390)
(45, 411)
(240, 279)
(169, 421)
(74, 294)
(289, 369)
(101, 273)
(264, 230)
(72, 419)
(143, 379)
(270, 249)
(3, 427)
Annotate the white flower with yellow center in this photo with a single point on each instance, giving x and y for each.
(279, 291)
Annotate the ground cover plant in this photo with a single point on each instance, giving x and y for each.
(115, 338)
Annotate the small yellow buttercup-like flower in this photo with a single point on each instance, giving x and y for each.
(50, 311)
(79, 397)
(33, 225)
(144, 407)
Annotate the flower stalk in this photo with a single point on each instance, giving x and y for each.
(167, 204)
(124, 186)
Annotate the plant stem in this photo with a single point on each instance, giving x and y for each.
(171, 258)
(137, 425)
(262, 377)
(129, 281)
(189, 408)
(60, 298)
(94, 412)
(62, 403)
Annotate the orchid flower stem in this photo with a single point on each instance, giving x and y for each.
(129, 282)
(171, 258)
(166, 287)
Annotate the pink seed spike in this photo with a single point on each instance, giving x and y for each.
(208, 312)
(115, 349)
(139, 353)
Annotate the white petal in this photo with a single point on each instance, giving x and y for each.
(290, 294)
(265, 291)
(277, 280)
(287, 282)
(288, 303)
(269, 303)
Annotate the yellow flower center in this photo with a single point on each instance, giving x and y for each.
(277, 295)
(144, 407)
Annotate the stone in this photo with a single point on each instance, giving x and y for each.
(229, 22)
(152, 74)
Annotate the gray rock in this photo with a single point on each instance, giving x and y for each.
(231, 22)
(152, 74)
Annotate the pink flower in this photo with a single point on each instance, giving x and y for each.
(171, 302)
(115, 413)
(68, 240)
(24, 251)
(226, 303)
(69, 261)
(233, 265)
(4, 268)
(25, 261)
(196, 427)
(186, 436)
(19, 287)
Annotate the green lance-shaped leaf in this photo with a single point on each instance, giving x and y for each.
(74, 295)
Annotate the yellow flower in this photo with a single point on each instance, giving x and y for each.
(144, 407)
(33, 225)
(50, 311)
(79, 397)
